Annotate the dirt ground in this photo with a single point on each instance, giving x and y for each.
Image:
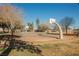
(43, 38)
(50, 44)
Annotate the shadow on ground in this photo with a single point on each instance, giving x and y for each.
(19, 45)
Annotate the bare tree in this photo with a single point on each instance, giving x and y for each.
(10, 18)
(66, 22)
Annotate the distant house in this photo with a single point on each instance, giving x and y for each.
(26, 28)
(70, 31)
(76, 31)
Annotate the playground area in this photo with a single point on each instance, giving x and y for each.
(22, 35)
(39, 37)
(41, 43)
(48, 44)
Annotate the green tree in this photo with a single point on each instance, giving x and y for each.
(31, 26)
(37, 23)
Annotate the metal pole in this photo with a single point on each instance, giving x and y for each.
(52, 20)
(60, 31)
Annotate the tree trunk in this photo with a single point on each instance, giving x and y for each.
(3, 30)
(12, 32)
(8, 30)
(66, 30)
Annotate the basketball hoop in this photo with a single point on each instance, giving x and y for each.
(52, 20)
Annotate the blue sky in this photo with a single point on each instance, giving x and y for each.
(44, 11)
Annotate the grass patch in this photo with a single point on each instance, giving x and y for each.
(58, 49)
(75, 42)
(2, 49)
(55, 46)
(22, 53)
